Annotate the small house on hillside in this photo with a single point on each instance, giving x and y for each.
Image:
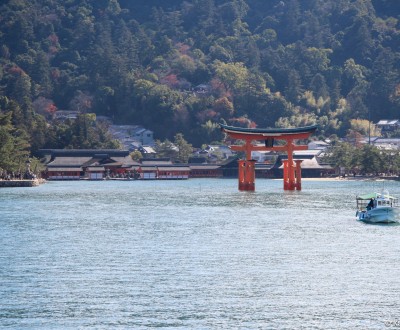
(387, 143)
(202, 89)
(267, 157)
(132, 136)
(147, 151)
(217, 152)
(318, 145)
(144, 136)
(388, 125)
(65, 114)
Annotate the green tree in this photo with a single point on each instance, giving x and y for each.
(233, 75)
(318, 86)
(364, 127)
(372, 160)
(211, 131)
(158, 107)
(166, 149)
(13, 145)
(185, 149)
(341, 156)
(85, 133)
(384, 86)
(290, 21)
(136, 155)
(294, 87)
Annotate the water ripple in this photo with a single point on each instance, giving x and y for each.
(194, 254)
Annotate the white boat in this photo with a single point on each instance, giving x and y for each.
(377, 208)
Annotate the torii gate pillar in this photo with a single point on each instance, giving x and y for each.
(291, 175)
(247, 174)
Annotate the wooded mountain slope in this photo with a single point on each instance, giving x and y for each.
(183, 66)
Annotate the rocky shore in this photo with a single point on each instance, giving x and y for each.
(20, 183)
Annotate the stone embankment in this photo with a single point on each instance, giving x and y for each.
(20, 183)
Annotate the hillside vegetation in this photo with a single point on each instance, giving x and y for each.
(183, 66)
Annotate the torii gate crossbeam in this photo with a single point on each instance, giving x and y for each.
(291, 168)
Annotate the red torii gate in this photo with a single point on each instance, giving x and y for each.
(291, 168)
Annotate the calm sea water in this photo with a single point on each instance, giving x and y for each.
(195, 254)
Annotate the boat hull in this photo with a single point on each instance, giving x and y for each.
(379, 215)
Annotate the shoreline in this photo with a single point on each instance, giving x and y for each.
(21, 183)
(357, 178)
(37, 182)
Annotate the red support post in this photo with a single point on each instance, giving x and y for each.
(246, 175)
(241, 176)
(285, 175)
(298, 174)
(290, 166)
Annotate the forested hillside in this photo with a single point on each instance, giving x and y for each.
(183, 66)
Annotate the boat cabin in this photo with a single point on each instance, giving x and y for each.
(375, 200)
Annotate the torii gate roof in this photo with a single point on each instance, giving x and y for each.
(269, 132)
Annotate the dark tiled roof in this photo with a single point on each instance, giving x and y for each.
(204, 167)
(125, 160)
(156, 162)
(64, 169)
(96, 168)
(174, 168)
(304, 129)
(68, 161)
(148, 168)
(84, 152)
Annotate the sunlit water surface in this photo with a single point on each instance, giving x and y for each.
(195, 254)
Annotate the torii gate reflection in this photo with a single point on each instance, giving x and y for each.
(291, 168)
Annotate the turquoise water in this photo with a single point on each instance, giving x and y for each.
(195, 254)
